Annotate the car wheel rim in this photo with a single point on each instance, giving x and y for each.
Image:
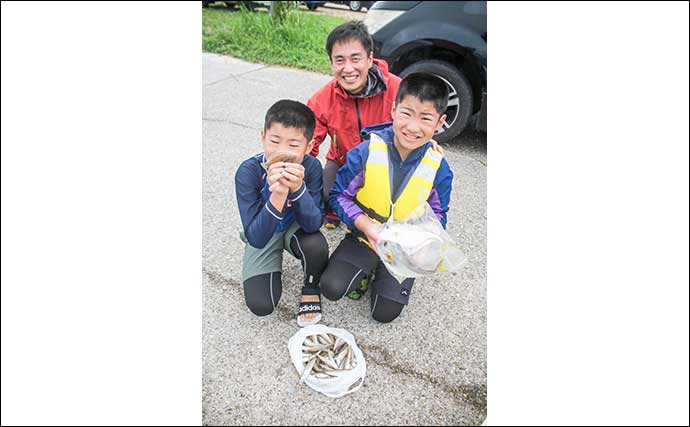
(354, 5)
(453, 108)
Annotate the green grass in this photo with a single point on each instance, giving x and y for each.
(300, 41)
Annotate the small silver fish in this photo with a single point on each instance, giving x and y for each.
(331, 373)
(307, 370)
(413, 252)
(326, 356)
(326, 362)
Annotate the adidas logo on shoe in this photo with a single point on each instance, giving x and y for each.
(309, 308)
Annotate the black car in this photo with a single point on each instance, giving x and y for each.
(356, 5)
(312, 5)
(445, 38)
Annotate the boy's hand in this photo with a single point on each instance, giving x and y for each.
(370, 229)
(276, 183)
(274, 172)
(293, 176)
(435, 145)
(279, 188)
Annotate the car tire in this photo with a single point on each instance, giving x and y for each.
(460, 102)
(312, 7)
(355, 6)
(249, 5)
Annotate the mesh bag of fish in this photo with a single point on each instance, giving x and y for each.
(328, 360)
(417, 245)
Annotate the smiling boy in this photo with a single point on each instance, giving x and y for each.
(281, 208)
(390, 174)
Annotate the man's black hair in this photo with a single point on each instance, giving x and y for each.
(291, 114)
(353, 30)
(425, 87)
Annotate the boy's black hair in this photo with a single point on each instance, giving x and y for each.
(425, 87)
(350, 30)
(291, 114)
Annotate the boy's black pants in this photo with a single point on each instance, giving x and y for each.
(263, 292)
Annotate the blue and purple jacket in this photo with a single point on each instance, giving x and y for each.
(350, 177)
(260, 220)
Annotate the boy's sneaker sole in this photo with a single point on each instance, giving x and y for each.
(332, 225)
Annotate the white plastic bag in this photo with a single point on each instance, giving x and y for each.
(332, 387)
(418, 245)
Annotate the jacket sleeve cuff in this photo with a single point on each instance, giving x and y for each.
(293, 197)
(273, 211)
(350, 221)
(355, 216)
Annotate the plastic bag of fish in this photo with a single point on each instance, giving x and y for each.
(418, 246)
(327, 360)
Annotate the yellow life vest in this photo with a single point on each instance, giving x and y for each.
(375, 197)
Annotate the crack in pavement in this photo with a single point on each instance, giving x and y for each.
(251, 71)
(235, 76)
(208, 119)
(282, 312)
(474, 395)
(231, 76)
(218, 279)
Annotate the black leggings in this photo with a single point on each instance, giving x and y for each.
(263, 292)
(341, 277)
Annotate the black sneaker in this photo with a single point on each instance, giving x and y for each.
(332, 224)
(363, 286)
(332, 220)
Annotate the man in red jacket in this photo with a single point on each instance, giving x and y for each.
(361, 94)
